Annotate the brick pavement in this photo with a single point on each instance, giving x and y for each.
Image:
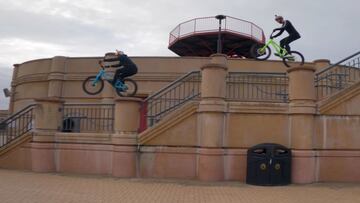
(19, 186)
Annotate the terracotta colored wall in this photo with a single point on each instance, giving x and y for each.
(32, 78)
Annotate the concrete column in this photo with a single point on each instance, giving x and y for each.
(211, 126)
(321, 63)
(48, 120)
(127, 115)
(56, 76)
(13, 88)
(48, 115)
(212, 104)
(302, 110)
(302, 106)
(127, 123)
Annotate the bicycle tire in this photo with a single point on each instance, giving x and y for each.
(297, 55)
(256, 55)
(99, 84)
(132, 90)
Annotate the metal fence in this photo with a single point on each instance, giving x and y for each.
(171, 97)
(98, 118)
(16, 125)
(211, 24)
(338, 76)
(250, 86)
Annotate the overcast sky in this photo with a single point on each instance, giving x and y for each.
(32, 29)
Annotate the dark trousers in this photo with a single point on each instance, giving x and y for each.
(284, 43)
(122, 73)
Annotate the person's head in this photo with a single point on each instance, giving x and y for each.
(279, 19)
(118, 52)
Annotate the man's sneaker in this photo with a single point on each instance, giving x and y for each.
(278, 55)
(289, 57)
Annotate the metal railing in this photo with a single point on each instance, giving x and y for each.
(171, 97)
(98, 118)
(16, 125)
(211, 24)
(250, 86)
(338, 76)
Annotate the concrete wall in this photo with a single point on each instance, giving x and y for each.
(205, 140)
(62, 77)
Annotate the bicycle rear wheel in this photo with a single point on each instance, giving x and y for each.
(260, 53)
(92, 86)
(130, 88)
(294, 58)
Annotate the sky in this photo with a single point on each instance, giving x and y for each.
(33, 29)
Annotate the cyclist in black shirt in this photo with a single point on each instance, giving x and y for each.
(129, 67)
(289, 28)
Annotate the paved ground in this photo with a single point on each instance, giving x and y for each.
(19, 186)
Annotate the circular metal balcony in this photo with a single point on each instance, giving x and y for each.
(198, 37)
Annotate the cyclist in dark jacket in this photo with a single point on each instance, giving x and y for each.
(289, 28)
(129, 67)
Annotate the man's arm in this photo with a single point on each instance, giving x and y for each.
(280, 29)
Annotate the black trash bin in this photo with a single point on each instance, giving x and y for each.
(268, 164)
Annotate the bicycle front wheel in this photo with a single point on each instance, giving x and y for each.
(129, 90)
(294, 58)
(259, 52)
(92, 86)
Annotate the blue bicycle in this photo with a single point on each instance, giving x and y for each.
(95, 84)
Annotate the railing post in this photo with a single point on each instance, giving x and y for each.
(302, 109)
(211, 119)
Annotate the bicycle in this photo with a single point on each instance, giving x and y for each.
(263, 52)
(95, 84)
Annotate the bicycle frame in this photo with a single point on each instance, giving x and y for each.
(99, 76)
(117, 85)
(280, 51)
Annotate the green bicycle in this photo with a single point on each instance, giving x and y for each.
(263, 52)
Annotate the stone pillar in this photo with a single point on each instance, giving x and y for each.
(127, 115)
(321, 63)
(302, 110)
(13, 88)
(48, 115)
(127, 122)
(56, 76)
(47, 122)
(212, 110)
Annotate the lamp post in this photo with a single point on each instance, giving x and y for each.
(219, 45)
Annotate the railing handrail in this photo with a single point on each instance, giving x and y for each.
(17, 113)
(170, 85)
(258, 73)
(338, 63)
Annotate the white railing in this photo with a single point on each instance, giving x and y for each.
(211, 24)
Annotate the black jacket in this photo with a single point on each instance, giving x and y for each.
(289, 28)
(124, 60)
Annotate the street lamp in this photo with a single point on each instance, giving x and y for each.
(219, 47)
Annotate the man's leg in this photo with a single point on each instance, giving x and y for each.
(284, 43)
(118, 75)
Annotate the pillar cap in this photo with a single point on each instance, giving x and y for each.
(132, 99)
(322, 61)
(297, 68)
(218, 55)
(214, 66)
